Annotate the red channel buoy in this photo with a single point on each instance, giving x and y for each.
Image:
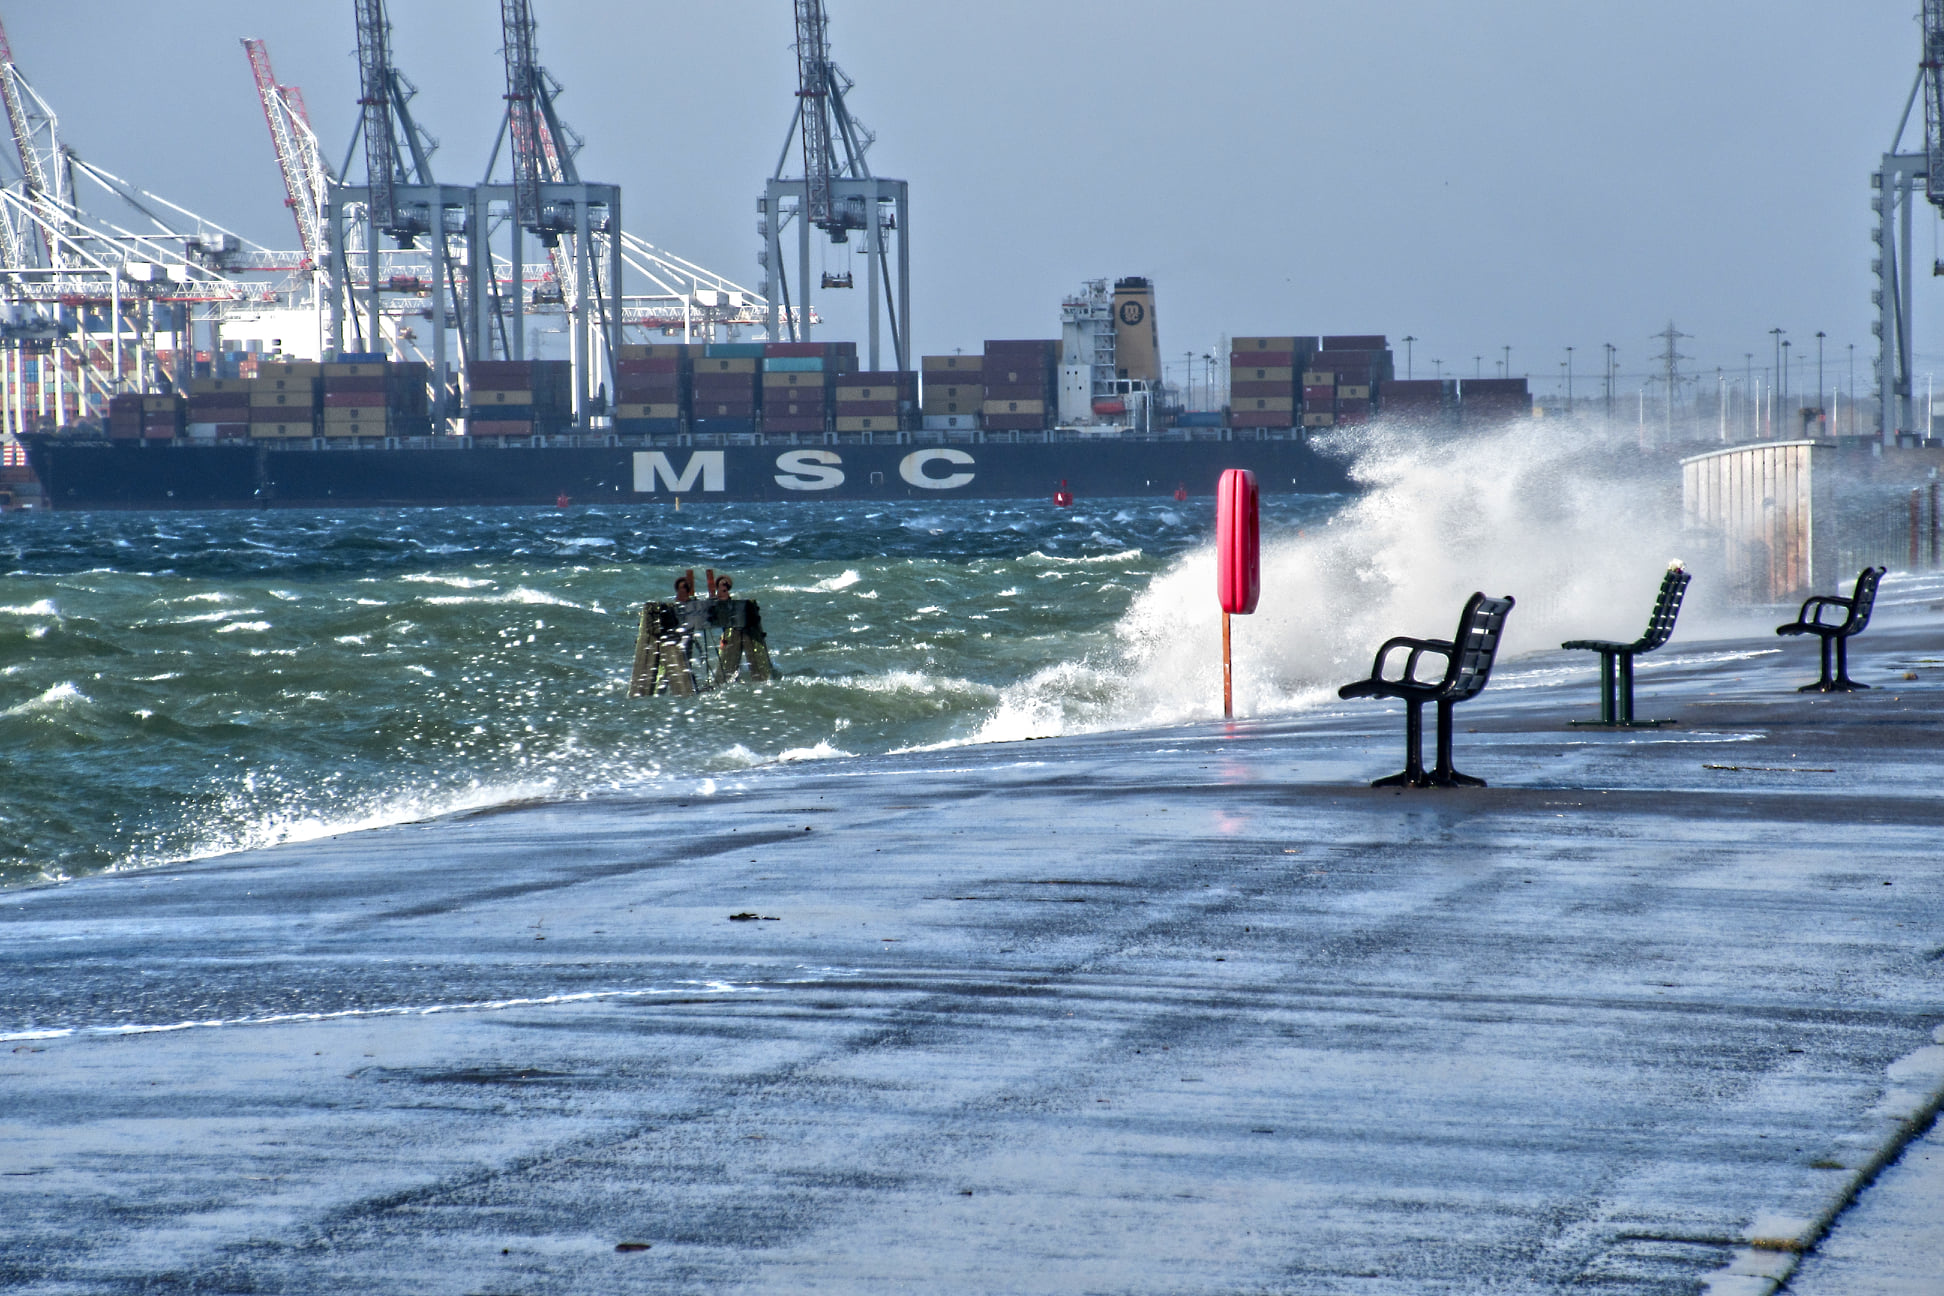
(561, 500)
(1063, 498)
(1181, 492)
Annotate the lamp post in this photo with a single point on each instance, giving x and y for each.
(1508, 361)
(1852, 387)
(1478, 366)
(1440, 368)
(1787, 413)
(1569, 380)
(1822, 409)
(1408, 339)
(1775, 333)
(1609, 378)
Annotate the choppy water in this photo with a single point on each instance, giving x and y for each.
(182, 684)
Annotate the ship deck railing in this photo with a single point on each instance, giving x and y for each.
(594, 440)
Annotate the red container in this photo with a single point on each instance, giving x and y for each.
(1238, 542)
(1017, 422)
(1263, 359)
(866, 409)
(501, 375)
(1019, 391)
(1261, 419)
(1357, 342)
(784, 423)
(724, 408)
(1245, 390)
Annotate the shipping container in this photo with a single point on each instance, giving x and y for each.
(792, 423)
(1020, 391)
(733, 351)
(1265, 359)
(866, 408)
(288, 369)
(970, 364)
(950, 422)
(941, 408)
(283, 400)
(814, 379)
(1284, 374)
(867, 423)
(715, 364)
(794, 409)
(498, 428)
(646, 426)
(669, 410)
(1356, 342)
(1001, 406)
(718, 410)
(1246, 388)
(717, 424)
(1016, 422)
(671, 365)
(282, 431)
(212, 386)
(1319, 420)
(955, 391)
(792, 364)
(517, 396)
(1353, 392)
(1261, 419)
(1259, 404)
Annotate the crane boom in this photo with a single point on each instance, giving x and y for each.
(301, 191)
(813, 107)
(374, 96)
(23, 131)
(1931, 68)
(516, 26)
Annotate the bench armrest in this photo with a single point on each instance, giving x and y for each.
(1819, 602)
(1418, 648)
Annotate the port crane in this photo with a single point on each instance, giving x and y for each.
(1895, 183)
(837, 196)
(400, 200)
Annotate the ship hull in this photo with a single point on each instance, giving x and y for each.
(125, 475)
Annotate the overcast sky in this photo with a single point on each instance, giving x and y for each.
(1528, 173)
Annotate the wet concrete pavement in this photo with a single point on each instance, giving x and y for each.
(1189, 1010)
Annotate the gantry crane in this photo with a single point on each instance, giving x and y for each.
(400, 200)
(578, 223)
(837, 195)
(1895, 184)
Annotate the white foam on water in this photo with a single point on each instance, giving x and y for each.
(455, 582)
(39, 607)
(253, 626)
(829, 586)
(1537, 510)
(58, 697)
(519, 594)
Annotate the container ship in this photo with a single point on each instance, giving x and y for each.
(1085, 413)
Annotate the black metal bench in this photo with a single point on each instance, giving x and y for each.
(1856, 615)
(1468, 664)
(1616, 659)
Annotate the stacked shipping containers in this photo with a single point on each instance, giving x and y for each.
(1423, 400)
(880, 401)
(954, 395)
(219, 409)
(372, 397)
(726, 386)
(1263, 373)
(283, 399)
(1484, 400)
(519, 398)
(651, 387)
(799, 384)
(1021, 380)
(1353, 366)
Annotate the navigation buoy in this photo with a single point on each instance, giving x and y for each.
(1181, 492)
(1063, 498)
(561, 500)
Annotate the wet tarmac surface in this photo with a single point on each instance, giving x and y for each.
(1186, 1011)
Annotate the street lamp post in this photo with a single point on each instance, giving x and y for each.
(1408, 339)
(1508, 361)
(1787, 413)
(1569, 380)
(1609, 378)
(1822, 409)
(1852, 387)
(1775, 333)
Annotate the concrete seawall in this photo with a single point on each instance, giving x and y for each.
(1189, 1010)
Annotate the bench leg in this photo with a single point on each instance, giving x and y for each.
(1623, 693)
(1442, 774)
(1413, 773)
(1607, 716)
(1844, 684)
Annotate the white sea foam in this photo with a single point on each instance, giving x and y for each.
(454, 582)
(1535, 510)
(61, 695)
(829, 586)
(39, 607)
(253, 626)
(1119, 556)
(519, 594)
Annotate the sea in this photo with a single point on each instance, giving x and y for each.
(185, 684)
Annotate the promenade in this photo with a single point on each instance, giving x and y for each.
(1190, 1010)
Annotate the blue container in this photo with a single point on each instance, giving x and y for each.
(793, 364)
(651, 427)
(734, 350)
(725, 425)
(1199, 418)
(361, 357)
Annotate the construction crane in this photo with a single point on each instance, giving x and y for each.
(306, 181)
(836, 196)
(46, 172)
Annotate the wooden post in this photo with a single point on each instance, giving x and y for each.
(1228, 677)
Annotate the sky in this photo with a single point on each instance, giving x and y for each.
(1524, 173)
